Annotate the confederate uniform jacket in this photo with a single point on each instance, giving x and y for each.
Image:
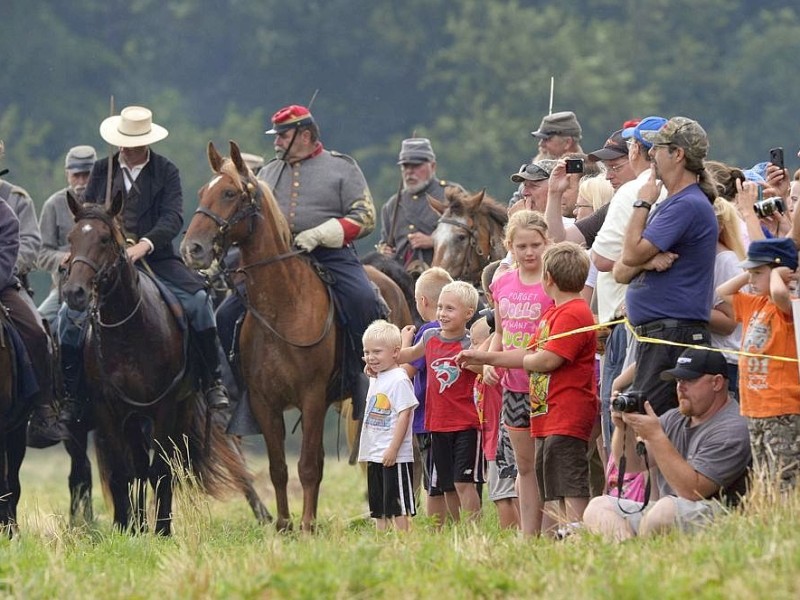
(29, 237)
(9, 245)
(55, 223)
(325, 185)
(153, 209)
(413, 215)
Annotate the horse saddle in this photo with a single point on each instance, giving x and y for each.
(22, 373)
(169, 297)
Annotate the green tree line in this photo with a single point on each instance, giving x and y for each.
(472, 75)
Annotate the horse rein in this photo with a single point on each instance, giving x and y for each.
(94, 317)
(473, 244)
(100, 274)
(251, 210)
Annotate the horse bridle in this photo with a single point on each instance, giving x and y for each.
(102, 274)
(94, 313)
(252, 210)
(474, 246)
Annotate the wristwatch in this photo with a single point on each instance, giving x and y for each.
(642, 204)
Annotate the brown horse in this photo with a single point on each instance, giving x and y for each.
(143, 397)
(289, 337)
(13, 424)
(469, 235)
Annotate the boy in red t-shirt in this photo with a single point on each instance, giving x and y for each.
(450, 413)
(562, 385)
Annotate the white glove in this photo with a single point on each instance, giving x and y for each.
(328, 234)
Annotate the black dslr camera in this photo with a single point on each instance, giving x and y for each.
(631, 401)
(769, 206)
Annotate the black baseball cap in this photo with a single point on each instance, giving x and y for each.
(696, 362)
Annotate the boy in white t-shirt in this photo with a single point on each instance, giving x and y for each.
(386, 432)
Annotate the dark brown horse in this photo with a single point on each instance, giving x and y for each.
(143, 397)
(12, 436)
(289, 337)
(469, 235)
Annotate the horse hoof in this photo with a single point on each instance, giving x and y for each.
(283, 526)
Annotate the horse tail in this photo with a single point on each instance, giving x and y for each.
(102, 453)
(214, 457)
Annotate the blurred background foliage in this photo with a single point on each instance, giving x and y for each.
(474, 76)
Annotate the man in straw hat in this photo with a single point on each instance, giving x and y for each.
(152, 217)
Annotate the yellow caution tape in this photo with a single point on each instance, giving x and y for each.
(650, 340)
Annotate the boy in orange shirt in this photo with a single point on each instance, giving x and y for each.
(769, 389)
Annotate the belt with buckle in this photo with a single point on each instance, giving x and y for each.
(646, 329)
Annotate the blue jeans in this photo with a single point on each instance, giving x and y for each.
(614, 360)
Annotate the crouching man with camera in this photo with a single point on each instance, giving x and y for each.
(700, 451)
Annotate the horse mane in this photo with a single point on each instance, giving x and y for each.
(229, 168)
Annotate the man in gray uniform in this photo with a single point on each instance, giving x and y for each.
(56, 221)
(325, 198)
(407, 225)
(29, 237)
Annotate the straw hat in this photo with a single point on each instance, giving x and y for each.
(133, 127)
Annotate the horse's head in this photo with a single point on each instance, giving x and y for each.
(97, 251)
(228, 209)
(468, 233)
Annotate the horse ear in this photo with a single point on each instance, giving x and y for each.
(214, 159)
(436, 205)
(116, 204)
(236, 157)
(480, 196)
(73, 203)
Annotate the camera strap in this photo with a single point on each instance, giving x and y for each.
(641, 450)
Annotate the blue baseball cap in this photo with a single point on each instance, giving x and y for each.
(646, 124)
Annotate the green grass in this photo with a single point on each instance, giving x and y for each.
(218, 551)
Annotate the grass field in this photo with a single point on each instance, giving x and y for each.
(218, 551)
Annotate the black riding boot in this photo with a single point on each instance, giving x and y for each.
(211, 373)
(46, 428)
(71, 369)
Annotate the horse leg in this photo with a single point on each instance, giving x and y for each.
(161, 479)
(274, 430)
(80, 477)
(15, 451)
(140, 458)
(309, 468)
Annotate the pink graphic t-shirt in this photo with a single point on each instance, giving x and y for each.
(519, 307)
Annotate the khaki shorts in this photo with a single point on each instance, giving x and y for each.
(691, 515)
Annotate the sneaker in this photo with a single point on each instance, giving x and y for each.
(567, 530)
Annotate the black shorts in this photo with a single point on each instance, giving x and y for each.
(390, 490)
(562, 469)
(457, 457)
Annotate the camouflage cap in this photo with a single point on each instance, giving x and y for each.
(538, 170)
(681, 132)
